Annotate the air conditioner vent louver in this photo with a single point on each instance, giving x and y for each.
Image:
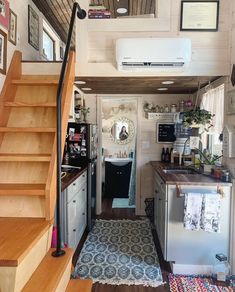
(159, 54)
(152, 64)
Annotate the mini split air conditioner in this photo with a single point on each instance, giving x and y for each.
(153, 54)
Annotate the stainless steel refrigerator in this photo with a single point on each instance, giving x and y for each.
(81, 144)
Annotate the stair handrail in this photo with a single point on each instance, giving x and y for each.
(81, 14)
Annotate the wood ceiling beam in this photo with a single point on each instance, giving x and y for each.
(46, 10)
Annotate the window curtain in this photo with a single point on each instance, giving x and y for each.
(213, 101)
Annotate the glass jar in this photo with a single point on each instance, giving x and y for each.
(225, 176)
(166, 108)
(221, 268)
(181, 106)
(173, 108)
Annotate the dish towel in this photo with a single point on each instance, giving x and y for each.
(192, 211)
(210, 220)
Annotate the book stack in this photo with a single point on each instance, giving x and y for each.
(98, 12)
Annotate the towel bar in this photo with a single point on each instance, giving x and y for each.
(180, 193)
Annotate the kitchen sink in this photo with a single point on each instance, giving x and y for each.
(119, 161)
(180, 171)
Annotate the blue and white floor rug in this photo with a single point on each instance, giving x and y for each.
(121, 203)
(120, 252)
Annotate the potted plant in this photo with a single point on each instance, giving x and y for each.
(208, 160)
(197, 117)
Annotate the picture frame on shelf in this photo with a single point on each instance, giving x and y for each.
(33, 28)
(199, 15)
(3, 51)
(231, 102)
(12, 33)
(4, 13)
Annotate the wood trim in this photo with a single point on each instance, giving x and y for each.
(54, 270)
(8, 91)
(36, 82)
(66, 101)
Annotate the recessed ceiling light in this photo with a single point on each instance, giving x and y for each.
(121, 10)
(86, 88)
(162, 89)
(80, 82)
(168, 82)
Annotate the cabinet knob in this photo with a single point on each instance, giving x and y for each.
(83, 213)
(74, 230)
(83, 190)
(83, 175)
(120, 172)
(74, 201)
(74, 184)
(160, 199)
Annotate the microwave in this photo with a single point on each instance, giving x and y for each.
(165, 132)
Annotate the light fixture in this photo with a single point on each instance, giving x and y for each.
(86, 88)
(121, 10)
(162, 89)
(168, 82)
(80, 82)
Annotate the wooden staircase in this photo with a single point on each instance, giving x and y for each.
(28, 180)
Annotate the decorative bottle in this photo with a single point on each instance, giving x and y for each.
(167, 155)
(163, 155)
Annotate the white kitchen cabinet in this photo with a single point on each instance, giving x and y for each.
(189, 251)
(160, 210)
(195, 248)
(75, 211)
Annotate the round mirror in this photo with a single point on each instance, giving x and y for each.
(122, 131)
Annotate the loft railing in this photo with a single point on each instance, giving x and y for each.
(81, 14)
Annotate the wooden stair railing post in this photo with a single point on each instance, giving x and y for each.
(81, 14)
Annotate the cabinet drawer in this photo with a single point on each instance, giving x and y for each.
(82, 201)
(76, 185)
(76, 229)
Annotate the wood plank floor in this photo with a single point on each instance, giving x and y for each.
(109, 213)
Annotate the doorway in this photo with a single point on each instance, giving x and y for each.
(118, 128)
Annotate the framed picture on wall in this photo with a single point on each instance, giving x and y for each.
(4, 13)
(199, 15)
(12, 33)
(3, 51)
(33, 28)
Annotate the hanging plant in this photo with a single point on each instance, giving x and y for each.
(198, 117)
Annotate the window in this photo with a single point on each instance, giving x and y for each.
(213, 101)
(48, 46)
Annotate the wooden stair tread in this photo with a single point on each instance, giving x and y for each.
(22, 189)
(28, 129)
(18, 236)
(79, 285)
(24, 104)
(48, 274)
(24, 157)
(35, 82)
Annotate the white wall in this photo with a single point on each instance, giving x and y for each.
(96, 41)
(230, 120)
(20, 8)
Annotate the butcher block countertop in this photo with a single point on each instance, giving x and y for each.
(71, 176)
(188, 179)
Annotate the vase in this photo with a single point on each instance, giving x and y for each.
(207, 168)
(84, 117)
